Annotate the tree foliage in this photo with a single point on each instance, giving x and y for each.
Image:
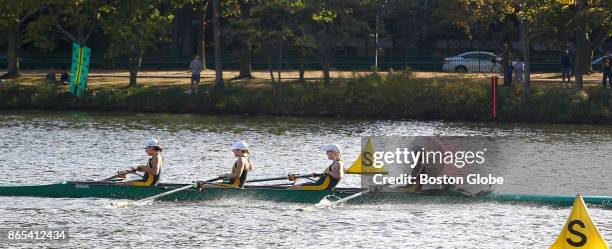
(319, 28)
(133, 27)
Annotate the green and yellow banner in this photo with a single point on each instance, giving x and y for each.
(79, 69)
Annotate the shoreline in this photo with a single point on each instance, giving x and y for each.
(397, 97)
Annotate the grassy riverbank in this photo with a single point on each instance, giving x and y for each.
(378, 96)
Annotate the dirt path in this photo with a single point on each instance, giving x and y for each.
(106, 79)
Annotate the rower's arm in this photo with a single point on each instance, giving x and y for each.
(238, 172)
(154, 169)
(337, 171)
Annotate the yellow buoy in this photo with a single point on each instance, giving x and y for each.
(579, 231)
(363, 165)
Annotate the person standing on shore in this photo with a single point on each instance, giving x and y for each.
(196, 68)
(51, 76)
(507, 65)
(566, 68)
(65, 76)
(607, 69)
(519, 69)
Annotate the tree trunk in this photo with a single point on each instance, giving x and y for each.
(133, 72)
(201, 43)
(376, 46)
(274, 83)
(245, 46)
(280, 57)
(581, 53)
(596, 38)
(135, 62)
(588, 60)
(270, 70)
(176, 37)
(527, 62)
(12, 54)
(245, 61)
(582, 45)
(199, 36)
(217, 40)
(586, 54)
(302, 68)
(325, 65)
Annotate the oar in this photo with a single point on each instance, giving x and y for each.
(153, 198)
(290, 177)
(345, 199)
(119, 173)
(338, 202)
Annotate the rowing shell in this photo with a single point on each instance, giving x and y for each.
(280, 194)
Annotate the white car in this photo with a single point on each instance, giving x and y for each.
(474, 61)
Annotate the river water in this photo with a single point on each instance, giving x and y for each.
(38, 148)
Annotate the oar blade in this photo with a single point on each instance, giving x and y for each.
(129, 204)
(122, 204)
(323, 203)
(306, 209)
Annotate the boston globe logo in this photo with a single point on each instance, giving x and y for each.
(413, 162)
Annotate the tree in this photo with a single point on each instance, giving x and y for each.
(527, 12)
(279, 24)
(72, 20)
(133, 27)
(527, 55)
(585, 24)
(13, 18)
(302, 41)
(242, 31)
(591, 24)
(488, 21)
(332, 26)
(412, 22)
(203, 7)
(190, 13)
(509, 13)
(217, 40)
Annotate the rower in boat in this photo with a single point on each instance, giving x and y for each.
(241, 167)
(152, 169)
(331, 175)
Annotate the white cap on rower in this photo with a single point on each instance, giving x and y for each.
(240, 145)
(331, 147)
(151, 142)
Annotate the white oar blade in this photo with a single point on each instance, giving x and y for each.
(326, 203)
(306, 209)
(121, 204)
(128, 204)
(323, 203)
